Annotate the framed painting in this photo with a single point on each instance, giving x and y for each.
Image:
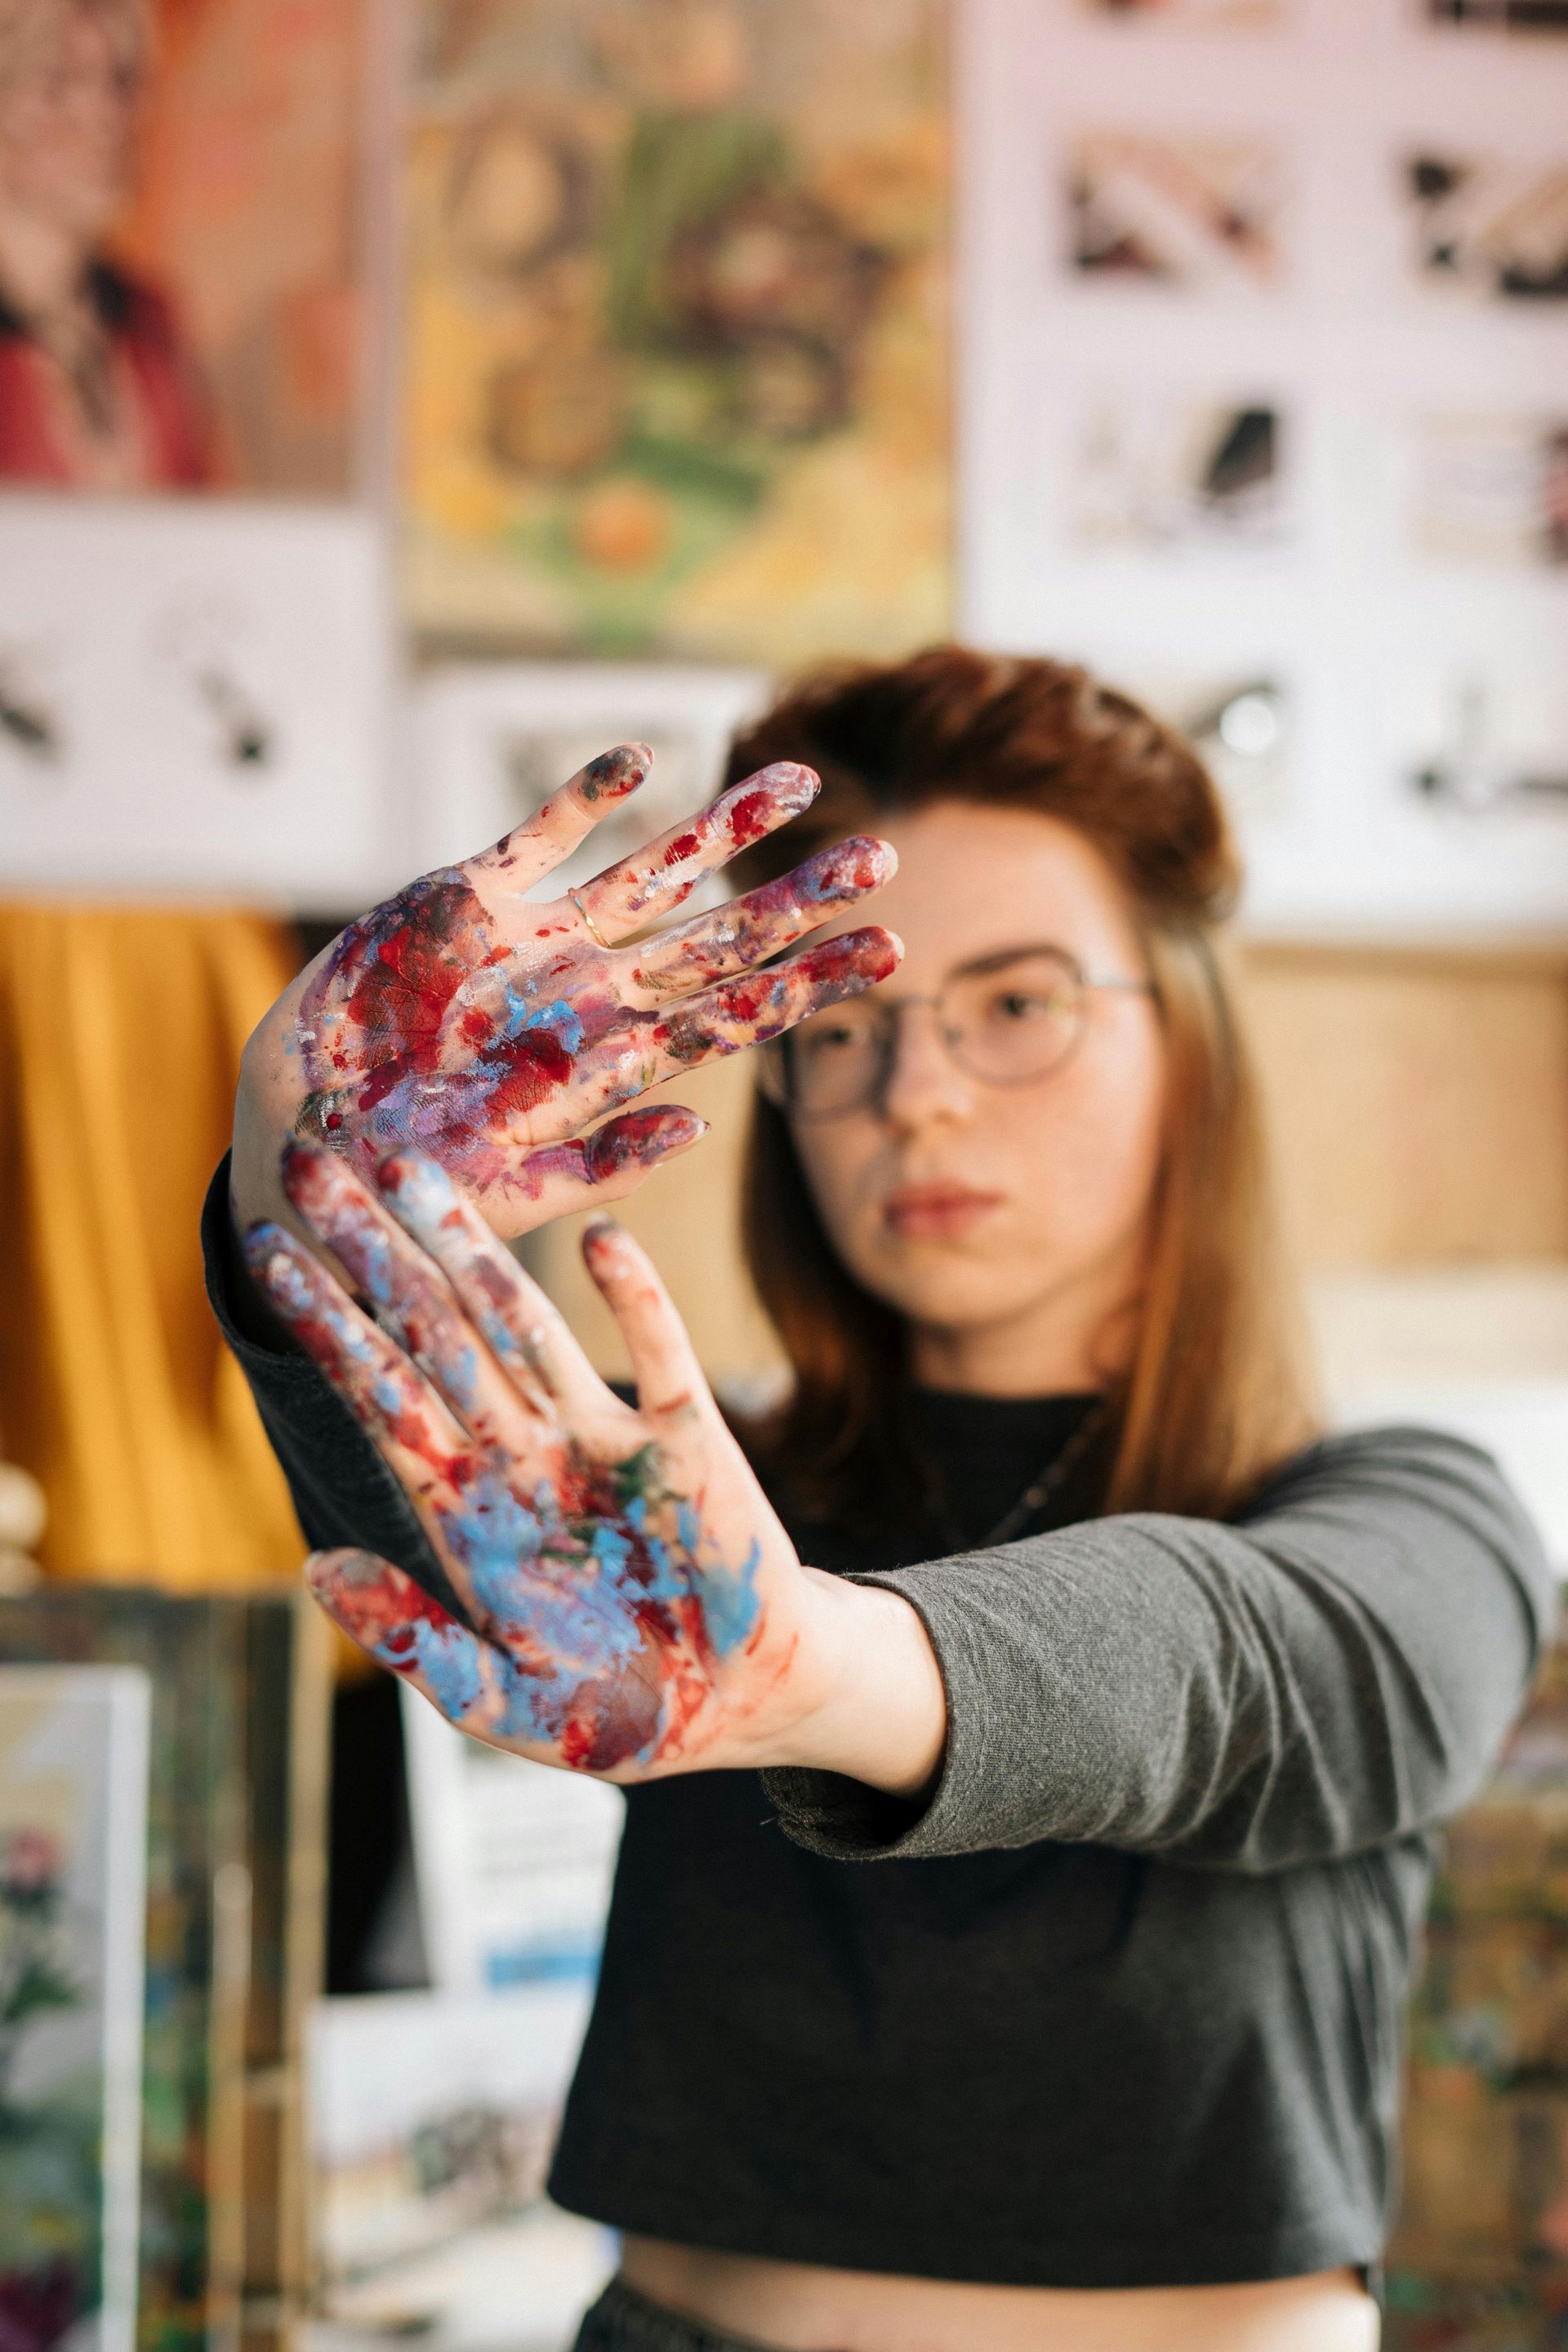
(180, 294)
(73, 1845)
(676, 361)
(233, 1697)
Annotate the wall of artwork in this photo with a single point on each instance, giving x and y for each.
(626, 330)
(1261, 410)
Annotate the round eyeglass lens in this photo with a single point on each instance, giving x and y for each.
(832, 1062)
(1006, 1025)
(1015, 1021)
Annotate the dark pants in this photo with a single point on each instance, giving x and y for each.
(624, 2321)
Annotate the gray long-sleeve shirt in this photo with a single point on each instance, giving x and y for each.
(1119, 2004)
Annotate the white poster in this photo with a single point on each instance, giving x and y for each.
(513, 1861)
(195, 697)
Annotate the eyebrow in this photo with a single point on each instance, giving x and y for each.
(978, 966)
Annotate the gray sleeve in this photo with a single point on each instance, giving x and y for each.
(1332, 1672)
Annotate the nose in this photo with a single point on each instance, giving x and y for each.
(924, 1085)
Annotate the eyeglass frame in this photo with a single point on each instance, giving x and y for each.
(889, 1010)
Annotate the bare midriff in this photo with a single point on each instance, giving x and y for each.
(797, 2307)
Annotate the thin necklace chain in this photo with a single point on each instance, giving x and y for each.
(1046, 1482)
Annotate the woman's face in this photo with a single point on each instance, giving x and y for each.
(68, 112)
(1005, 1222)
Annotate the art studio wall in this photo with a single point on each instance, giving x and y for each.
(629, 331)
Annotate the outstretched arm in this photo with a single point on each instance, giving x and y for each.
(1334, 1672)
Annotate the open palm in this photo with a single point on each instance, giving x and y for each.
(463, 1019)
(633, 1604)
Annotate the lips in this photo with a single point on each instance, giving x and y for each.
(937, 1211)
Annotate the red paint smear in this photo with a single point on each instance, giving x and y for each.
(527, 1069)
(404, 992)
(389, 1611)
(686, 845)
(748, 817)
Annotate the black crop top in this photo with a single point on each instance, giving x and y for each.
(1119, 2004)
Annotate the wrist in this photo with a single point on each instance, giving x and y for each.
(880, 1712)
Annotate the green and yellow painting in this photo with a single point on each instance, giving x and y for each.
(677, 348)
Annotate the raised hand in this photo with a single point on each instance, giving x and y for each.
(634, 1605)
(464, 1020)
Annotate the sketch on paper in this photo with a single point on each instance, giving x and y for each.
(1493, 488)
(178, 296)
(1240, 718)
(676, 364)
(1223, 14)
(1501, 16)
(1480, 735)
(512, 1861)
(1188, 213)
(1156, 472)
(496, 738)
(191, 698)
(73, 1834)
(1488, 227)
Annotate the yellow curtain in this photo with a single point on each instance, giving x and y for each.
(120, 1032)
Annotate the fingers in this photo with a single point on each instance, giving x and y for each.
(523, 1330)
(412, 1430)
(670, 1381)
(564, 1178)
(657, 879)
(749, 1011)
(534, 848)
(410, 1295)
(466, 1678)
(750, 930)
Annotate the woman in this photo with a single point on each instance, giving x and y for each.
(96, 391)
(1044, 1992)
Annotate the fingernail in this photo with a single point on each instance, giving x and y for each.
(616, 773)
(677, 1128)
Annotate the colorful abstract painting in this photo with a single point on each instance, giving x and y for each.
(1478, 2261)
(179, 307)
(677, 356)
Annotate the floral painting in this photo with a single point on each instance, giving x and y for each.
(73, 1795)
(676, 355)
(178, 283)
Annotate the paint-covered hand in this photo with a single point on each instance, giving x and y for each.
(467, 1021)
(634, 1605)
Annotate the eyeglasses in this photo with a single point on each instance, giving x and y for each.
(1006, 1021)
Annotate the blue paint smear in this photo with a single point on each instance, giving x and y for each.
(448, 1658)
(732, 1605)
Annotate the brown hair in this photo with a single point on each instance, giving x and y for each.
(1217, 1392)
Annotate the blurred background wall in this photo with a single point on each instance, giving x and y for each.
(399, 404)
